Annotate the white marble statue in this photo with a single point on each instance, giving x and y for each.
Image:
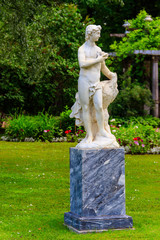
(94, 97)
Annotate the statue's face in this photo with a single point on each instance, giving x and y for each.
(95, 35)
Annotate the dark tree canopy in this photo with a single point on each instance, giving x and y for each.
(39, 40)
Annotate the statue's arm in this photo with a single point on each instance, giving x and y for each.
(106, 71)
(83, 63)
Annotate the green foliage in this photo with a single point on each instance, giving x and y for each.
(11, 88)
(134, 84)
(138, 138)
(41, 127)
(110, 14)
(39, 42)
(44, 127)
(145, 121)
(145, 129)
(102, 11)
(145, 36)
(66, 122)
(40, 66)
(130, 101)
(76, 136)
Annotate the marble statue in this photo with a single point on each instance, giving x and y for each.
(94, 96)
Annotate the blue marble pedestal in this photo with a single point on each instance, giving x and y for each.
(97, 190)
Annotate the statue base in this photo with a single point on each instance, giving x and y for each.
(97, 190)
(96, 224)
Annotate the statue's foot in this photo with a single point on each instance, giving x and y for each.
(103, 133)
(89, 139)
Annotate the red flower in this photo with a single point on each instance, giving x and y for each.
(135, 139)
(67, 131)
(138, 139)
(48, 130)
(80, 131)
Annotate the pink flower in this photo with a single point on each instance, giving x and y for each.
(46, 131)
(143, 145)
(136, 142)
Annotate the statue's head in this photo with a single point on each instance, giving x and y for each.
(91, 29)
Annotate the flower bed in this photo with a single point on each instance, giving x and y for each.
(134, 136)
(138, 138)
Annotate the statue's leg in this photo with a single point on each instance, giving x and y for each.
(83, 90)
(97, 100)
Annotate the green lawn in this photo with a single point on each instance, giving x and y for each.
(34, 189)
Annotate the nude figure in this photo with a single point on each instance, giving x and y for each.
(92, 62)
(94, 97)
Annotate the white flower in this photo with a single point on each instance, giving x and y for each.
(136, 126)
(112, 120)
(113, 130)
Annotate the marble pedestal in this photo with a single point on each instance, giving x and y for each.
(97, 190)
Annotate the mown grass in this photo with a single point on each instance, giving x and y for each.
(34, 189)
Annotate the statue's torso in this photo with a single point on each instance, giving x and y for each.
(92, 73)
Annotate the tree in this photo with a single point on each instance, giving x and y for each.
(134, 89)
(110, 14)
(145, 36)
(42, 69)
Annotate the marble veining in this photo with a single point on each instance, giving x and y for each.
(97, 188)
(99, 182)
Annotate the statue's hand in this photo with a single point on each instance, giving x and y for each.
(103, 57)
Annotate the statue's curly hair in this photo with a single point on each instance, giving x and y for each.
(90, 29)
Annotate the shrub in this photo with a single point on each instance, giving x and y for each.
(137, 135)
(41, 127)
(125, 121)
(67, 123)
(78, 136)
(134, 83)
(131, 100)
(138, 138)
